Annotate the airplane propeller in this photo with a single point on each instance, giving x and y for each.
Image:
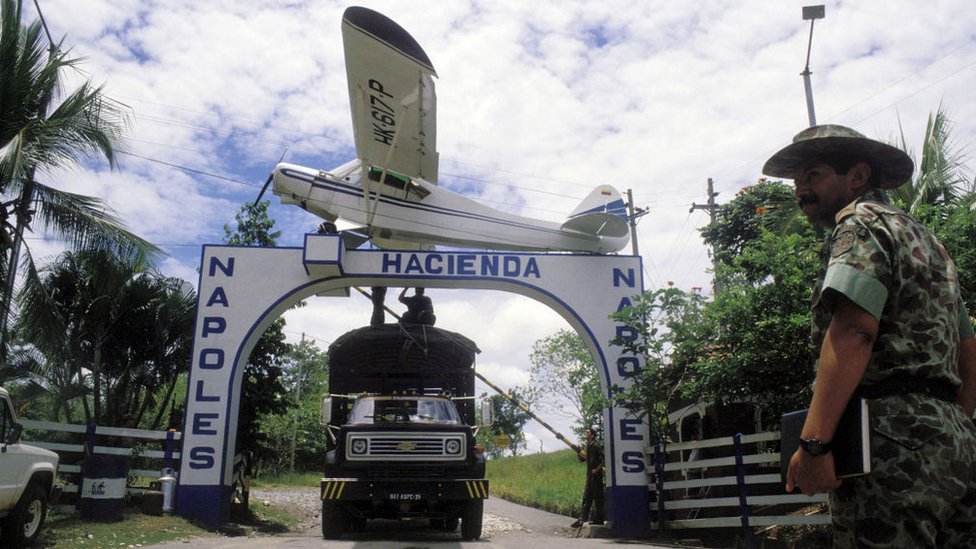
(264, 188)
(270, 179)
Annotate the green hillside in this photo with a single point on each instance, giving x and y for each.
(553, 482)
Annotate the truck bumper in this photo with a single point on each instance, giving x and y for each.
(403, 491)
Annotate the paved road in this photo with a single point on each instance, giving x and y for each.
(507, 525)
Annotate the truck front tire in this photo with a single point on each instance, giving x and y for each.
(334, 520)
(22, 526)
(471, 519)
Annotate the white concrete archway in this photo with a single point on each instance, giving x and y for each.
(243, 290)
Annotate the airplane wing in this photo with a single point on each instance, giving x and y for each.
(391, 91)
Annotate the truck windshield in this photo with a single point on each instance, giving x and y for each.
(404, 410)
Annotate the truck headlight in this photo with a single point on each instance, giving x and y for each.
(358, 446)
(453, 447)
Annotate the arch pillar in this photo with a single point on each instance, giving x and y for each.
(243, 290)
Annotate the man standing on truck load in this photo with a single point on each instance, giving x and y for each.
(420, 309)
(378, 296)
(889, 325)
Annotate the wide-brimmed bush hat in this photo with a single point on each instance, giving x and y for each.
(892, 165)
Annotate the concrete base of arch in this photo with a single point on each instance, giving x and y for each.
(242, 290)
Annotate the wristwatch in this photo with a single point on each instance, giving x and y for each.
(814, 447)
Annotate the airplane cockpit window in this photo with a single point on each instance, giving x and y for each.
(398, 185)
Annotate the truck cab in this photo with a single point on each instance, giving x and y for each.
(400, 416)
(27, 476)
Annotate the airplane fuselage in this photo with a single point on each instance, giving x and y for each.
(413, 210)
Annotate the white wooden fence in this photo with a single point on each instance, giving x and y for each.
(167, 455)
(743, 489)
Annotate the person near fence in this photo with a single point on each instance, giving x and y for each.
(889, 325)
(592, 508)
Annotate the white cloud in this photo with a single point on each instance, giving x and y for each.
(537, 103)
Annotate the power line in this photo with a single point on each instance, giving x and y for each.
(903, 79)
(192, 170)
(918, 91)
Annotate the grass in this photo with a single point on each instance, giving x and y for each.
(70, 530)
(288, 480)
(552, 482)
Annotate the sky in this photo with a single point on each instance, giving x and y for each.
(538, 102)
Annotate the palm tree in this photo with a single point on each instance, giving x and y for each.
(104, 325)
(941, 178)
(155, 348)
(43, 129)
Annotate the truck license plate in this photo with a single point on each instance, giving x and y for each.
(405, 497)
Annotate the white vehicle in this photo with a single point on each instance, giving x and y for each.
(389, 193)
(27, 476)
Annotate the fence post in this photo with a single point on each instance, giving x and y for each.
(90, 438)
(85, 454)
(168, 449)
(740, 480)
(659, 458)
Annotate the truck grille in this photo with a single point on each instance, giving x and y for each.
(406, 471)
(399, 446)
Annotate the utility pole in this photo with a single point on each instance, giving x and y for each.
(633, 213)
(712, 208)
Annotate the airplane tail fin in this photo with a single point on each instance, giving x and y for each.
(602, 213)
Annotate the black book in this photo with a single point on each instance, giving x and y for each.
(851, 445)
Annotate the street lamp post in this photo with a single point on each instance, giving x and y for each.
(812, 13)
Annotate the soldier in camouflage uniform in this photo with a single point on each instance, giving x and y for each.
(889, 325)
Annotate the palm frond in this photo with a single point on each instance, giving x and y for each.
(941, 176)
(85, 222)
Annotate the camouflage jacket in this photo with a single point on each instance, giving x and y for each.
(893, 267)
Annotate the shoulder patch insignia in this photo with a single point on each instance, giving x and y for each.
(842, 243)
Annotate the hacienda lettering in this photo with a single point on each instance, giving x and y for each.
(511, 266)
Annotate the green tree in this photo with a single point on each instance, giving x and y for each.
(254, 227)
(957, 232)
(109, 332)
(941, 195)
(509, 422)
(158, 348)
(767, 205)
(751, 342)
(668, 331)
(306, 377)
(41, 130)
(941, 177)
(563, 372)
(760, 351)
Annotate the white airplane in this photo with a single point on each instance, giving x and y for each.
(390, 191)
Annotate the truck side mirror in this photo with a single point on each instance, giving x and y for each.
(326, 416)
(487, 412)
(15, 431)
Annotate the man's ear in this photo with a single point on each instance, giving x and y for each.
(858, 176)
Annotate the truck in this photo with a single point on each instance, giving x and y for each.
(27, 481)
(400, 416)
